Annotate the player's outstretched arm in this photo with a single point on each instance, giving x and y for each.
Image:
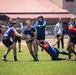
(17, 34)
(60, 37)
(39, 44)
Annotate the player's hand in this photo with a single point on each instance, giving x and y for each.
(28, 39)
(54, 44)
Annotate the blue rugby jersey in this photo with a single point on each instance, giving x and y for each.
(53, 52)
(9, 33)
(71, 32)
(29, 32)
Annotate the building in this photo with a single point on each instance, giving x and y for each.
(70, 5)
(51, 10)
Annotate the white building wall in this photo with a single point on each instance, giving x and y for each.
(70, 6)
(58, 2)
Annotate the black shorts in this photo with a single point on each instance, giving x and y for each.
(73, 40)
(15, 39)
(0, 31)
(7, 42)
(40, 36)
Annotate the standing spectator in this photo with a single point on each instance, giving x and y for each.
(29, 32)
(58, 31)
(9, 23)
(72, 22)
(0, 30)
(33, 22)
(40, 26)
(8, 43)
(19, 30)
(4, 27)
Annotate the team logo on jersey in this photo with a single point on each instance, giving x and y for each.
(31, 31)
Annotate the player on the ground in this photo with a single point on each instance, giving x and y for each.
(53, 52)
(8, 43)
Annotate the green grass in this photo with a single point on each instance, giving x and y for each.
(26, 66)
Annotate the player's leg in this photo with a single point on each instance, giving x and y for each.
(69, 48)
(35, 49)
(6, 53)
(5, 41)
(62, 43)
(19, 44)
(13, 46)
(58, 44)
(63, 52)
(72, 44)
(29, 45)
(61, 58)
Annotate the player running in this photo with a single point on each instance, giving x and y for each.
(30, 35)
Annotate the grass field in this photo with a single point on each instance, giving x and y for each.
(26, 66)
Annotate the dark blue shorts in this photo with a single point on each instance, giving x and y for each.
(73, 40)
(15, 39)
(40, 36)
(7, 42)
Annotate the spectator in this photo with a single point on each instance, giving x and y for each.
(0, 30)
(9, 23)
(72, 22)
(32, 21)
(58, 31)
(19, 30)
(40, 26)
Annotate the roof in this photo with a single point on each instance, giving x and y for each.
(44, 15)
(18, 6)
(32, 8)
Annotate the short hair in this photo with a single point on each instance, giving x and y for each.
(40, 17)
(64, 22)
(18, 18)
(14, 22)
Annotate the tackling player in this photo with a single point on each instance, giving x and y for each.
(53, 52)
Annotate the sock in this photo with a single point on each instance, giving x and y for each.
(36, 55)
(4, 56)
(15, 58)
(65, 53)
(33, 56)
(61, 58)
(41, 49)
